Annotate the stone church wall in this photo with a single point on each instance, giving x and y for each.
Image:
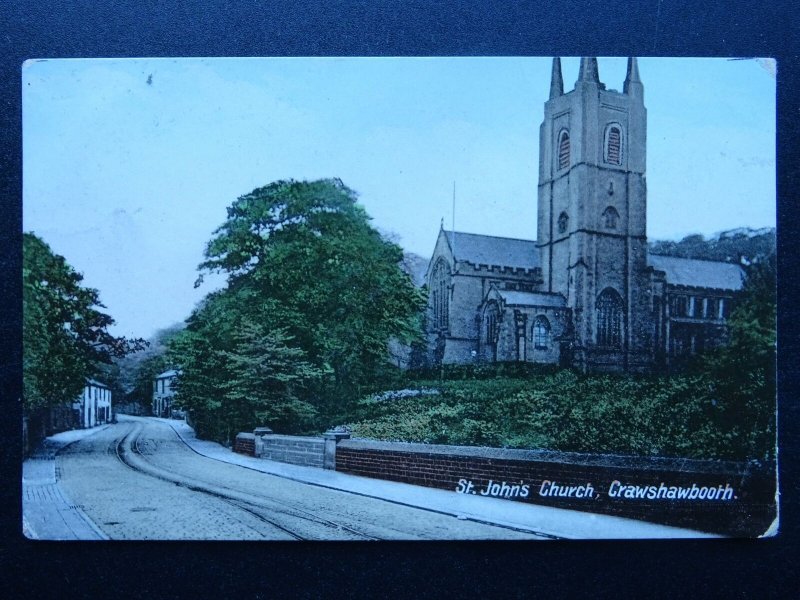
(507, 341)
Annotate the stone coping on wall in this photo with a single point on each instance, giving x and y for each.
(575, 458)
(291, 438)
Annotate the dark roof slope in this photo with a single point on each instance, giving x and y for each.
(494, 251)
(698, 273)
(514, 297)
(170, 373)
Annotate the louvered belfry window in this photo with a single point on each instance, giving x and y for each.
(563, 150)
(614, 146)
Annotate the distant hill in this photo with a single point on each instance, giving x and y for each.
(735, 246)
(415, 265)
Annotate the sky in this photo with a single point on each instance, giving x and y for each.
(129, 164)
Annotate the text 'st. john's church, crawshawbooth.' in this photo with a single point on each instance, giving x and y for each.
(586, 293)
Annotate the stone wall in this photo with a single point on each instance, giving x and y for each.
(305, 451)
(295, 450)
(720, 497)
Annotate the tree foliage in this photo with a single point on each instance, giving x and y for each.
(742, 374)
(65, 335)
(312, 287)
(137, 371)
(734, 246)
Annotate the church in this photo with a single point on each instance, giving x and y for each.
(586, 293)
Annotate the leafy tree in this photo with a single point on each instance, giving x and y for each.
(742, 374)
(302, 258)
(730, 246)
(268, 378)
(65, 336)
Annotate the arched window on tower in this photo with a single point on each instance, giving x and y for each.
(563, 149)
(613, 144)
(609, 319)
(610, 217)
(563, 222)
(440, 294)
(541, 333)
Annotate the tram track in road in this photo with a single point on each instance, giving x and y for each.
(271, 512)
(508, 527)
(267, 509)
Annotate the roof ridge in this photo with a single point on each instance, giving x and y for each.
(716, 262)
(499, 237)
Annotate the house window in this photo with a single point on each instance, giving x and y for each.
(681, 306)
(712, 309)
(613, 150)
(440, 294)
(541, 333)
(696, 307)
(563, 149)
(563, 222)
(609, 319)
(610, 217)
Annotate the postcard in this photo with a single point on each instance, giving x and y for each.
(399, 298)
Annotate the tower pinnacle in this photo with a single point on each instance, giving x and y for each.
(633, 85)
(556, 81)
(588, 72)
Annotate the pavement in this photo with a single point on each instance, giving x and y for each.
(551, 521)
(47, 511)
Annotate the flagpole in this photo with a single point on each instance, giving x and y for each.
(453, 242)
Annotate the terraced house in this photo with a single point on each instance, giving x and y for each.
(586, 293)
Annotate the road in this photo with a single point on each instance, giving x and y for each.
(138, 480)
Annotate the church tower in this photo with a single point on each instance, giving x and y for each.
(592, 204)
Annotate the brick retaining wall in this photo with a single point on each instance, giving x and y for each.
(744, 494)
(245, 443)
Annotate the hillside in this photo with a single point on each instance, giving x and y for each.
(741, 245)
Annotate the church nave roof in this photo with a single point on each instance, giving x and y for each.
(692, 272)
(493, 251)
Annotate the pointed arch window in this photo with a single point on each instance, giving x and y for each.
(613, 144)
(563, 222)
(440, 294)
(541, 333)
(610, 217)
(563, 149)
(609, 319)
(491, 327)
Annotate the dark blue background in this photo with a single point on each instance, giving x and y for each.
(104, 28)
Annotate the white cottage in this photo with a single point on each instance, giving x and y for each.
(93, 406)
(163, 392)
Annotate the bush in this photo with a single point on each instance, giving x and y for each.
(650, 416)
